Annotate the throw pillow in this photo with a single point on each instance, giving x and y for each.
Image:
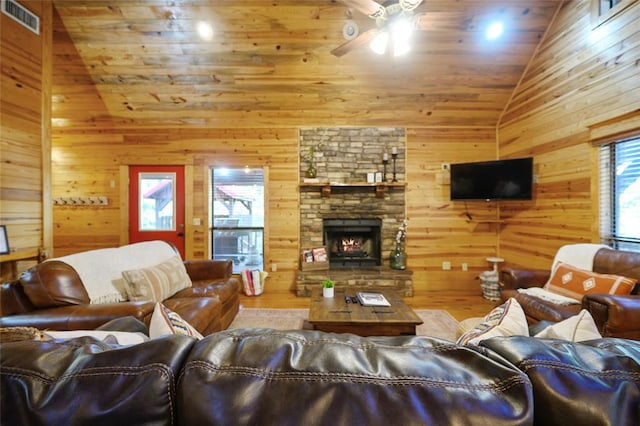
(507, 319)
(573, 282)
(577, 328)
(158, 282)
(164, 321)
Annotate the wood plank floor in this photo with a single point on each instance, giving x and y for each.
(460, 306)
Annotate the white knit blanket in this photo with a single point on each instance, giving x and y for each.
(543, 294)
(577, 255)
(101, 270)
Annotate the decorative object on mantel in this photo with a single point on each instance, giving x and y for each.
(327, 288)
(312, 171)
(81, 201)
(398, 256)
(394, 156)
(385, 161)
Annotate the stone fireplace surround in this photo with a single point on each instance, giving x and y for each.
(345, 156)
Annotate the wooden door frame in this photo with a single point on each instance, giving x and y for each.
(188, 204)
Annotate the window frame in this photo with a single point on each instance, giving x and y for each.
(213, 228)
(608, 193)
(599, 17)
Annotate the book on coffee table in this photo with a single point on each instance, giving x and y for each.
(372, 299)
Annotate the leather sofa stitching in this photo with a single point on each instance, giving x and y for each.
(530, 364)
(498, 386)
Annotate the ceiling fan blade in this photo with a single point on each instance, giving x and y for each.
(409, 4)
(363, 38)
(368, 7)
(441, 21)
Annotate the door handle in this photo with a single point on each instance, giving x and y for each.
(180, 234)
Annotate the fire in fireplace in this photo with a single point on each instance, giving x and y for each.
(352, 243)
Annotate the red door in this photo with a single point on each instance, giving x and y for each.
(156, 204)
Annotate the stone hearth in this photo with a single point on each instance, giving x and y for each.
(370, 278)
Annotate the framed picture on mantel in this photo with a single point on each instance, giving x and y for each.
(4, 240)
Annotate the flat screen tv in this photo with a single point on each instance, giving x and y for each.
(510, 179)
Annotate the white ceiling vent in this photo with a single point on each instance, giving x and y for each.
(22, 15)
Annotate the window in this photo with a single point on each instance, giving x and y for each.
(603, 10)
(238, 217)
(606, 5)
(620, 194)
(157, 207)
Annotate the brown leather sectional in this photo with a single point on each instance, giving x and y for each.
(50, 296)
(262, 376)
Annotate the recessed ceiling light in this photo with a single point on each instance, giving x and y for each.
(205, 31)
(494, 30)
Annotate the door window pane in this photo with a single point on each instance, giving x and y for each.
(157, 206)
(238, 217)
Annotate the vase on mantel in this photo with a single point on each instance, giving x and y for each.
(398, 257)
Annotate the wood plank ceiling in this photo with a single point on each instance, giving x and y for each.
(141, 63)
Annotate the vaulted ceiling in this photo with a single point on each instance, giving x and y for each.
(269, 64)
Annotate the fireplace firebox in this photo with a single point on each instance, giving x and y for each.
(352, 243)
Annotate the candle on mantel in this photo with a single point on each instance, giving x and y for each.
(385, 157)
(394, 150)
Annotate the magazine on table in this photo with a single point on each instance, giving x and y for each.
(372, 299)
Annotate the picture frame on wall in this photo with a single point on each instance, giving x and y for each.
(4, 240)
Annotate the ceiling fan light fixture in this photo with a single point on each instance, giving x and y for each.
(401, 32)
(380, 42)
(401, 48)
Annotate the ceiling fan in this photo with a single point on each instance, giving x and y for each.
(395, 21)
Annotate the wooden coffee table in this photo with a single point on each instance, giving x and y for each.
(336, 316)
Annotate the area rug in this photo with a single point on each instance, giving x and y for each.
(436, 323)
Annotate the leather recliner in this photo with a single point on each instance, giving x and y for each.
(615, 315)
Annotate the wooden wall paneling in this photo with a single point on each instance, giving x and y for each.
(107, 153)
(580, 77)
(150, 68)
(438, 229)
(24, 112)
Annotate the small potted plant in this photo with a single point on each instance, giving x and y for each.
(327, 288)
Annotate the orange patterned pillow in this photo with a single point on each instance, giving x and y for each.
(572, 282)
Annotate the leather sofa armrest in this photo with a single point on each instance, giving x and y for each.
(13, 299)
(513, 278)
(202, 270)
(79, 317)
(615, 315)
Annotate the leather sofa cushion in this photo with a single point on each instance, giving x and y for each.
(53, 283)
(588, 383)
(86, 381)
(253, 376)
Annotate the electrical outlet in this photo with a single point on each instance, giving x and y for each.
(274, 267)
(465, 267)
(535, 178)
(446, 266)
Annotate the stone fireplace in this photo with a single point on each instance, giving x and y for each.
(344, 157)
(352, 243)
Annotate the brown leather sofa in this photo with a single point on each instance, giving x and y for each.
(261, 376)
(615, 315)
(51, 296)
